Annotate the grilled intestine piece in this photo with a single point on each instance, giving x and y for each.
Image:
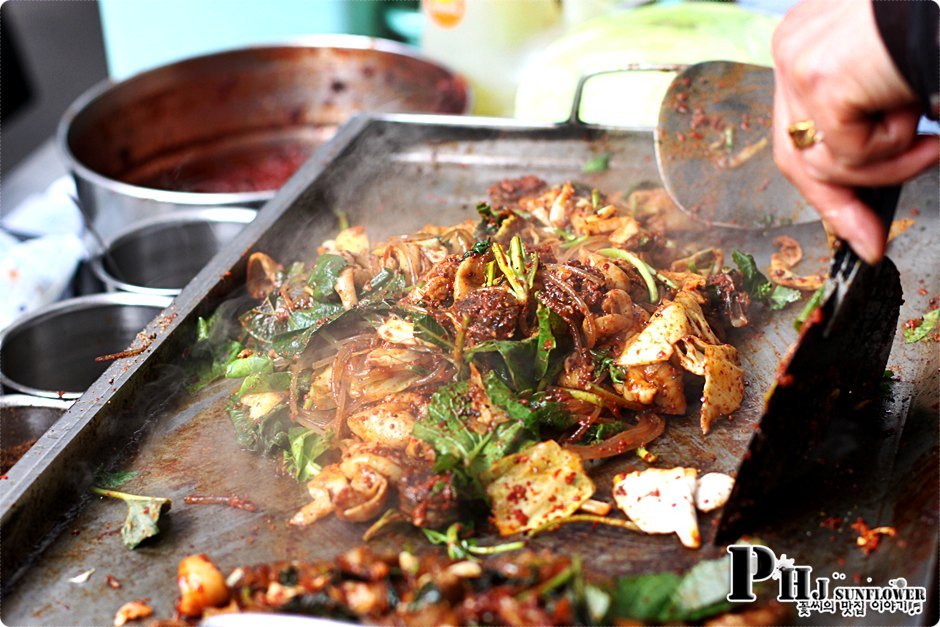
(201, 585)
(665, 500)
(712, 491)
(782, 262)
(356, 488)
(352, 240)
(132, 610)
(660, 500)
(389, 423)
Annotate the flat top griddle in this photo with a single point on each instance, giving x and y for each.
(394, 174)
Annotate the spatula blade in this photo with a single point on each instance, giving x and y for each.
(714, 148)
(823, 379)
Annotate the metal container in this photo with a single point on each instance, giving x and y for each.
(23, 420)
(229, 128)
(394, 174)
(51, 352)
(160, 255)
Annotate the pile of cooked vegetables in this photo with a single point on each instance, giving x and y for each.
(485, 362)
(525, 589)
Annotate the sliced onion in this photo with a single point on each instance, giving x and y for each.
(587, 276)
(649, 428)
(316, 420)
(590, 328)
(339, 383)
(584, 425)
(466, 239)
(439, 373)
(590, 243)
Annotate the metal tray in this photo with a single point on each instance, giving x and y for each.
(394, 174)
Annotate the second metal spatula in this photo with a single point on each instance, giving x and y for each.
(714, 152)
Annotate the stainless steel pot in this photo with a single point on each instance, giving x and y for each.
(51, 352)
(23, 419)
(160, 255)
(228, 128)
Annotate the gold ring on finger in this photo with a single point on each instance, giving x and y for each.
(804, 134)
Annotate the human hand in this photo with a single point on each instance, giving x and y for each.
(832, 67)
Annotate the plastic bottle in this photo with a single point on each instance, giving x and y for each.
(487, 41)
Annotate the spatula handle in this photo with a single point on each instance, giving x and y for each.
(884, 202)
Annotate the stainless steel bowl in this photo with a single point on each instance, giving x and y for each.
(51, 352)
(161, 255)
(23, 419)
(228, 128)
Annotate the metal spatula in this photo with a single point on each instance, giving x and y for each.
(713, 147)
(841, 353)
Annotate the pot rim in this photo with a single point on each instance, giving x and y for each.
(237, 215)
(25, 400)
(78, 106)
(63, 307)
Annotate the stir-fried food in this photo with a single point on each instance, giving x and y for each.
(526, 588)
(482, 362)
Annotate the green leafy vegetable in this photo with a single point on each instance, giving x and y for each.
(527, 364)
(467, 548)
(289, 333)
(112, 480)
(323, 276)
(213, 351)
(600, 163)
(927, 324)
(143, 513)
(306, 446)
(645, 598)
(532, 410)
(814, 301)
(480, 248)
(517, 365)
(606, 365)
(548, 322)
(461, 450)
(671, 598)
(781, 296)
(264, 382)
(268, 432)
(490, 221)
(267, 323)
(251, 364)
(759, 287)
(427, 329)
(384, 287)
(265, 435)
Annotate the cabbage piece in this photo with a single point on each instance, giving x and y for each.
(667, 325)
(724, 379)
(670, 323)
(541, 483)
(691, 302)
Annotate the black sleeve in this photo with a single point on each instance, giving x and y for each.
(910, 30)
